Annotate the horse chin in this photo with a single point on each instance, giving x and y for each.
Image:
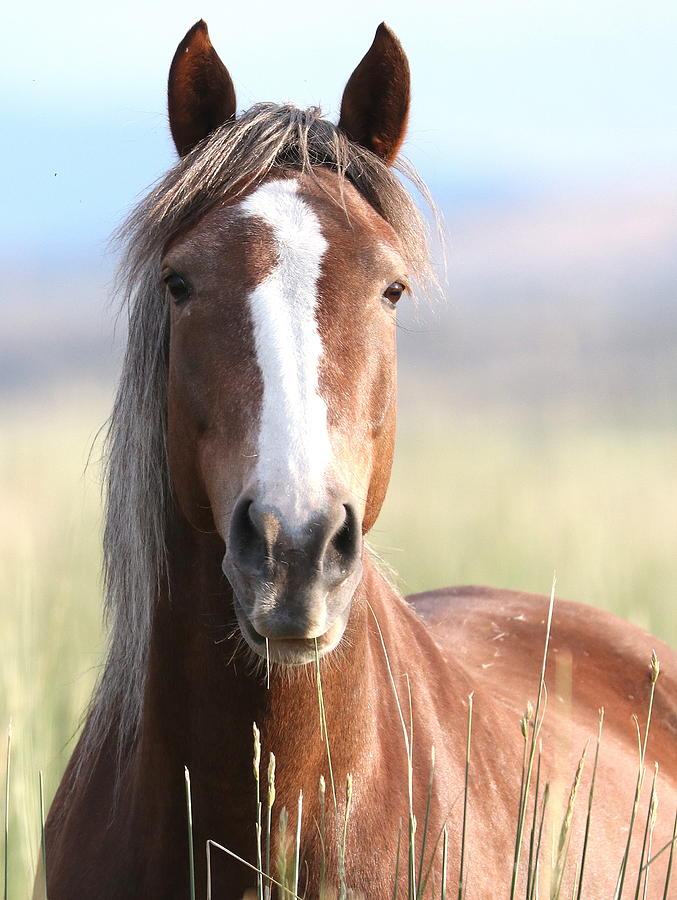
(291, 651)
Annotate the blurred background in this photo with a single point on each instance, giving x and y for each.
(538, 424)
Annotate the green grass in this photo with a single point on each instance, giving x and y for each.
(469, 503)
(506, 506)
(50, 605)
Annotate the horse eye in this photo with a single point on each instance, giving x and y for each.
(393, 292)
(177, 287)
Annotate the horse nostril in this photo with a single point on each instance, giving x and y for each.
(248, 544)
(345, 543)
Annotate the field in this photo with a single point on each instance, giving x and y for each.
(493, 501)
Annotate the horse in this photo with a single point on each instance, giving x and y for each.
(249, 454)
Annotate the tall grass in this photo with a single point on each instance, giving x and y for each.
(50, 603)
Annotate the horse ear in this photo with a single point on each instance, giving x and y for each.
(200, 92)
(375, 104)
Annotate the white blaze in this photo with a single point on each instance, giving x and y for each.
(294, 450)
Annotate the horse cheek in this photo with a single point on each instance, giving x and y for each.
(382, 464)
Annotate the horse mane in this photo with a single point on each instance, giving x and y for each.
(238, 155)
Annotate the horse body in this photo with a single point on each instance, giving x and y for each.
(198, 712)
(595, 660)
(250, 452)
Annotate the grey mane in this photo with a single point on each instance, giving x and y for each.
(236, 156)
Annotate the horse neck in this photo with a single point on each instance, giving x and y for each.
(201, 701)
(203, 692)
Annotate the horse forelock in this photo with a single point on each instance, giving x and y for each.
(263, 141)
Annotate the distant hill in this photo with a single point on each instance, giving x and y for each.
(566, 303)
(569, 303)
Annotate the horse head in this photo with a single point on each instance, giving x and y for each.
(282, 371)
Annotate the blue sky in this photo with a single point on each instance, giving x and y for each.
(509, 98)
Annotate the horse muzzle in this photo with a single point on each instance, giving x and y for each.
(293, 585)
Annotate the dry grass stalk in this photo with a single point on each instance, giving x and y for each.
(43, 849)
(538, 721)
(396, 880)
(461, 874)
(322, 798)
(654, 670)
(8, 772)
(653, 811)
(668, 874)
(256, 766)
(445, 850)
(531, 865)
(189, 811)
(422, 879)
(287, 893)
(297, 844)
(282, 851)
(565, 830)
(590, 799)
(533, 891)
(411, 892)
(269, 817)
(323, 726)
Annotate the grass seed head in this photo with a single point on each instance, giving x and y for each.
(257, 750)
(271, 780)
(653, 804)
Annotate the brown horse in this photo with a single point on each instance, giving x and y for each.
(250, 450)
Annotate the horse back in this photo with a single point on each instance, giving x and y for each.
(595, 659)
